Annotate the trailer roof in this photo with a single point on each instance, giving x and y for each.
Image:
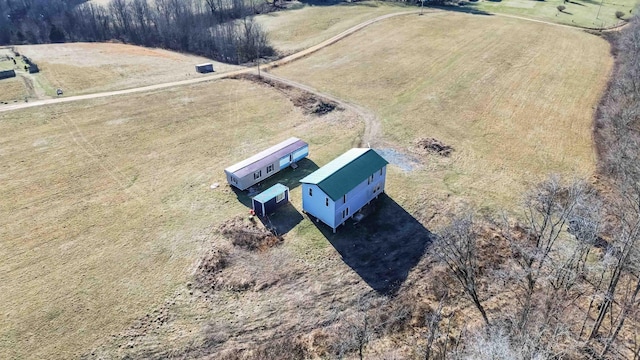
(265, 157)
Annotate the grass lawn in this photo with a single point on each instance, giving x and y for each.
(106, 205)
(81, 68)
(585, 13)
(6, 64)
(306, 25)
(12, 89)
(514, 98)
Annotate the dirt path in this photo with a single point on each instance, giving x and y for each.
(273, 64)
(371, 121)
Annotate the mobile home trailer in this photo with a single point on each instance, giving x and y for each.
(266, 163)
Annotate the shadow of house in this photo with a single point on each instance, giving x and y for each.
(288, 177)
(283, 220)
(383, 247)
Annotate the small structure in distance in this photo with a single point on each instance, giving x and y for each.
(5, 74)
(266, 163)
(338, 190)
(269, 200)
(204, 68)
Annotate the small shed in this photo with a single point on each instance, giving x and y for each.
(204, 68)
(269, 200)
(5, 74)
(266, 163)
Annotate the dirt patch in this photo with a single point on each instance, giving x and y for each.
(399, 159)
(312, 105)
(308, 102)
(214, 261)
(434, 146)
(248, 235)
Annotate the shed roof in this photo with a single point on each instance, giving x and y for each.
(270, 193)
(266, 157)
(346, 171)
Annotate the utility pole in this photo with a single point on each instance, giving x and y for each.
(600, 7)
(421, 7)
(258, 59)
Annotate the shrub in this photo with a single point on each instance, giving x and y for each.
(561, 8)
(619, 14)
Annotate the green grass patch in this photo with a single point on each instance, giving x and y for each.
(583, 13)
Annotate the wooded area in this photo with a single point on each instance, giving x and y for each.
(219, 29)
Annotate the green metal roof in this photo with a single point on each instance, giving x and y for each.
(345, 172)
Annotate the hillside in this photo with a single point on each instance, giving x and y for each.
(500, 234)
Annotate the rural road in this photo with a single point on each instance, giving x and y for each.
(270, 65)
(372, 125)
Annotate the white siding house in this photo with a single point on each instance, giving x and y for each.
(341, 188)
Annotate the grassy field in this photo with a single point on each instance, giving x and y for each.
(12, 89)
(304, 25)
(514, 98)
(106, 205)
(585, 13)
(80, 68)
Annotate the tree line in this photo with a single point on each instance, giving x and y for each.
(219, 29)
(574, 265)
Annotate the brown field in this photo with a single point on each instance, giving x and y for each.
(12, 89)
(293, 30)
(514, 98)
(106, 204)
(81, 68)
(107, 207)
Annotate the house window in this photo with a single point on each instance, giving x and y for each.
(370, 180)
(290, 157)
(326, 201)
(344, 198)
(280, 197)
(345, 213)
(380, 171)
(310, 192)
(257, 174)
(269, 168)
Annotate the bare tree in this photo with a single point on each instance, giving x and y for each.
(549, 208)
(432, 321)
(456, 246)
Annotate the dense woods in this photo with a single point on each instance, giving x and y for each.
(220, 29)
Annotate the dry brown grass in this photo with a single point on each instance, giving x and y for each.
(515, 99)
(106, 207)
(106, 204)
(12, 89)
(293, 30)
(80, 68)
